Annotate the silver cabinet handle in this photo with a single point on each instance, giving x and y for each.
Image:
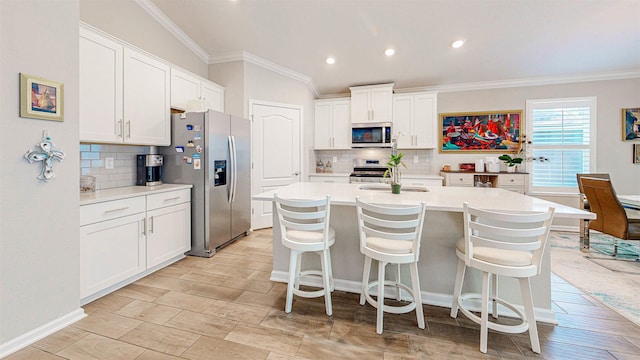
(117, 209)
(119, 128)
(151, 225)
(144, 226)
(172, 199)
(129, 129)
(296, 173)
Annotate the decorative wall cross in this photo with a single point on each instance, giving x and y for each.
(46, 154)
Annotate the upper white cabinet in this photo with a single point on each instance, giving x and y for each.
(415, 120)
(124, 94)
(332, 126)
(371, 103)
(186, 86)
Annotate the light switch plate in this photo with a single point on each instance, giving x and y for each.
(335, 159)
(415, 159)
(108, 163)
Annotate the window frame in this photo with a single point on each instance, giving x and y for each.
(585, 101)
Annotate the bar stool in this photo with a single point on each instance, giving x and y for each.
(506, 244)
(391, 235)
(304, 227)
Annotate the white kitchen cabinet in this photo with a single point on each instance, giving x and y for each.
(415, 120)
(421, 181)
(186, 86)
(124, 94)
(168, 226)
(371, 104)
(332, 125)
(342, 178)
(124, 239)
(509, 181)
(112, 243)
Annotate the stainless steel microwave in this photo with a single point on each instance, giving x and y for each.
(371, 135)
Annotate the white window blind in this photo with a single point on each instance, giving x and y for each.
(563, 131)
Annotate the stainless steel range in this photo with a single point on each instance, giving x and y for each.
(368, 171)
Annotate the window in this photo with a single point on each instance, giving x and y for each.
(562, 131)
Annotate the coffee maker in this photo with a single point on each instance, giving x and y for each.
(149, 170)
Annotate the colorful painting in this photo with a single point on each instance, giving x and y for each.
(631, 124)
(487, 131)
(41, 98)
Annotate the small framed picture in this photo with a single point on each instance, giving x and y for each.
(636, 153)
(41, 98)
(631, 124)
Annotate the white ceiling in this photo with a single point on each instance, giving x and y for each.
(506, 40)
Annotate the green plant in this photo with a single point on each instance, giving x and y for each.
(510, 161)
(393, 168)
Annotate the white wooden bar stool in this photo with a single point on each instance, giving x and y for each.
(391, 235)
(506, 244)
(304, 226)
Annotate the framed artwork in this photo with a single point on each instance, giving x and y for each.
(41, 98)
(631, 124)
(486, 131)
(636, 153)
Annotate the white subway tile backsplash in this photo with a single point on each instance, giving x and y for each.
(124, 172)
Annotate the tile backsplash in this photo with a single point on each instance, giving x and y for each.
(92, 162)
(344, 163)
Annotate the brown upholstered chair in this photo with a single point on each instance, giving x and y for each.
(611, 218)
(584, 203)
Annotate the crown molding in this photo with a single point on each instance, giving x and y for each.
(264, 63)
(488, 85)
(157, 14)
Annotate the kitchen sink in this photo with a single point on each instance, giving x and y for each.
(383, 187)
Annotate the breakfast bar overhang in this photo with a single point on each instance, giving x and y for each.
(442, 228)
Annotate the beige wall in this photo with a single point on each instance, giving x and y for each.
(127, 21)
(614, 156)
(39, 221)
(231, 76)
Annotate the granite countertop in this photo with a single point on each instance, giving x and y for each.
(437, 198)
(127, 192)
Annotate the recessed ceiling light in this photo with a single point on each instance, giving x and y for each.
(456, 44)
(331, 61)
(389, 52)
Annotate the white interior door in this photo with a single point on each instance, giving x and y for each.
(276, 149)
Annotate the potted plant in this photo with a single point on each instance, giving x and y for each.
(511, 162)
(393, 171)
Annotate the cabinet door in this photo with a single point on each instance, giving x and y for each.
(146, 100)
(111, 251)
(381, 104)
(360, 106)
(100, 88)
(341, 125)
(213, 95)
(424, 121)
(402, 119)
(322, 119)
(168, 233)
(184, 87)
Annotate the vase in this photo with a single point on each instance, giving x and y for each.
(395, 188)
(511, 169)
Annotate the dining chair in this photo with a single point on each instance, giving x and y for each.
(501, 243)
(304, 227)
(612, 219)
(391, 235)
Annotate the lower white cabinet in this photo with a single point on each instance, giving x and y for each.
(509, 181)
(329, 178)
(426, 182)
(123, 240)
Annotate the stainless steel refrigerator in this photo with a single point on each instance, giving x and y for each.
(212, 151)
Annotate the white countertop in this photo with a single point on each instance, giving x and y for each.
(127, 192)
(437, 198)
(330, 174)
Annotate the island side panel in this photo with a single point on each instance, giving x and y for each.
(437, 263)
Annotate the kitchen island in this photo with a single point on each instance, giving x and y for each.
(442, 228)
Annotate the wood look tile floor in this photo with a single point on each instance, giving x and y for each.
(225, 307)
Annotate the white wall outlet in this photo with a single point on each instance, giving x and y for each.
(108, 163)
(335, 159)
(415, 159)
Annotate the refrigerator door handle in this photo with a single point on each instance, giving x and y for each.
(231, 169)
(235, 168)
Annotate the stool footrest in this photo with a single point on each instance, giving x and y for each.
(511, 329)
(389, 308)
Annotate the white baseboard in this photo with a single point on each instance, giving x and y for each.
(429, 298)
(41, 332)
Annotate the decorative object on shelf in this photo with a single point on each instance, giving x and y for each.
(446, 167)
(511, 162)
(319, 166)
(486, 131)
(393, 168)
(328, 168)
(46, 154)
(631, 124)
(467, 167)
(41, 99)
(636, 153)
(87, 183)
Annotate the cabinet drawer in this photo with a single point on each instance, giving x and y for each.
(510, 180)
(161, 200)
(460, 180)
(107, 210)
(421, 182)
